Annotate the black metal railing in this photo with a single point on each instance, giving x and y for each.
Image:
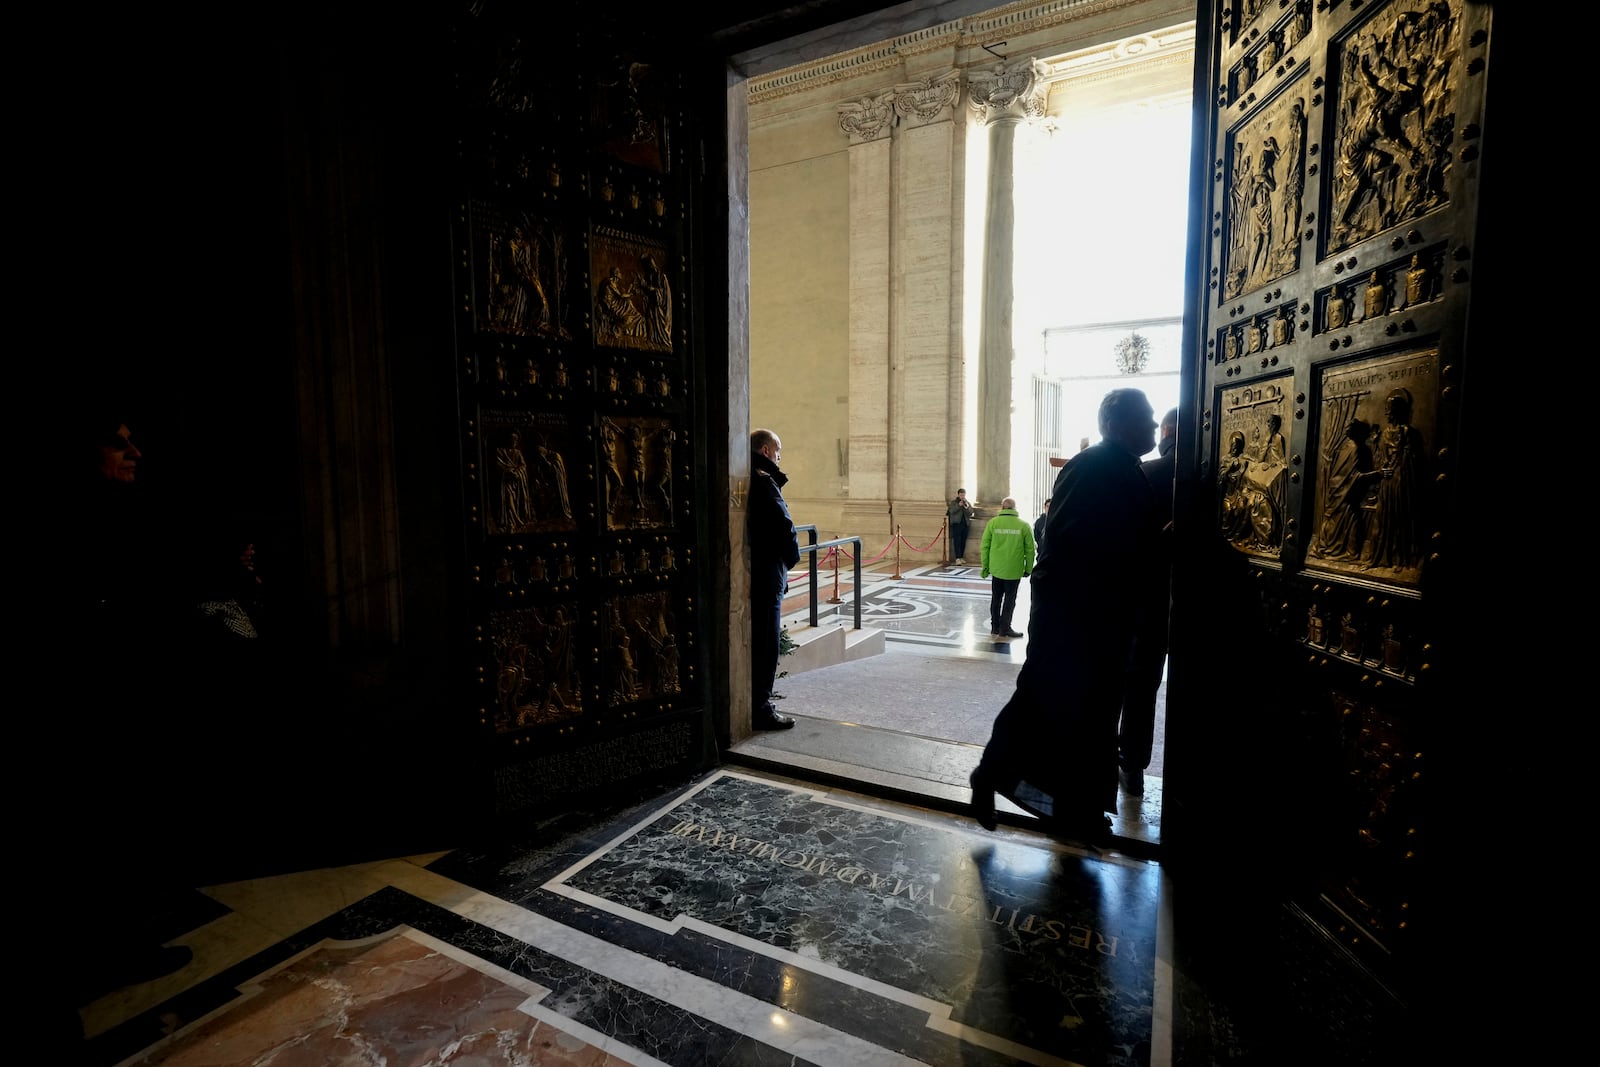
(810, 551)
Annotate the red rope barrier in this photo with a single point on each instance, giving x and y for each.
(896, 539)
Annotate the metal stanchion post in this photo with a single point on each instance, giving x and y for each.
(834, 599)
(896, 574)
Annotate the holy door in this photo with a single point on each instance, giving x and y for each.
(581, 434)
(1339, 215)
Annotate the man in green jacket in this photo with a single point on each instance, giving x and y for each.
(1007, 559)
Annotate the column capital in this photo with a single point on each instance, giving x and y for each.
(924, 101)
(1011, 89)
(867, 119)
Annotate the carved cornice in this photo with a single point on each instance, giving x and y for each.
(1014, 88)
(971, 33)
(1091, 64)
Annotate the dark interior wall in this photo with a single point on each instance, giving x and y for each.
(239, 233)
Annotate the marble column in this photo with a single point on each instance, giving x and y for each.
(1003, 96)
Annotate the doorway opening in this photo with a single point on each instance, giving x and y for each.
(845, 364)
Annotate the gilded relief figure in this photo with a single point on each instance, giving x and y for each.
(1294, 183)
(1417, 282)
(1295, 29)
(526, 280)
(1249, 517)
(640, 439)
(1280, 329)
(1275, 448)
(1377, 298)
(553, 478)
(1373, 477)
(611, 450)
(1314, 627)
(664, 476)
(624, 687)
(1343, 528)
(657, 302)
(1394, 653)
(617, 319)
(664, 646)
(1338, 308)
(642, 649)
(516, 506)
(1349, 636)
(1394, 498)
(1394, 120)
(1265, 188)
(1270, 51)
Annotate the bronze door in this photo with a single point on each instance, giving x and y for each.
(1338, 202)
(581, 433)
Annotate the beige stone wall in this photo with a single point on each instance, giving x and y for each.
(859, 264)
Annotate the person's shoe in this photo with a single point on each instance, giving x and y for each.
(1132, 781)
(982, 799)
(1009, 633)
(771, 720)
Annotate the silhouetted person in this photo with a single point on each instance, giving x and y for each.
(1053, 749)
(959, 514)
(116, 619)
(1147, 662)
(774, 548)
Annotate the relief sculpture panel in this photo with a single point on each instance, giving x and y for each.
(529, 474)
(637, 459)
(642, 653)
(1394, 119)
(633, 299)
(1253, 473)
(1376, 423)
(1265, 192)
(538, 677)
(522, 273)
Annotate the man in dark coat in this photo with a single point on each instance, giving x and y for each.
(1136, 735)
(1053, 748)
(774, 548)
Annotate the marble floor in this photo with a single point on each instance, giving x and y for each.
(744, 918)
(911, 722)
(819, 899)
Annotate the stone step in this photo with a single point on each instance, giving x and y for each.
(826, 644)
